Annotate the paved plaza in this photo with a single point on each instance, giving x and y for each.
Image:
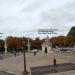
(5, 73)
(48, 69)
(12, 64)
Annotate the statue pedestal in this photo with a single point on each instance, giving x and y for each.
(28, 48)
(28, 44)
(5, 50)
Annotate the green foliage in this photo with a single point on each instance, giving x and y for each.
(72, 32)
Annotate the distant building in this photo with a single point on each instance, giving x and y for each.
(46, 46)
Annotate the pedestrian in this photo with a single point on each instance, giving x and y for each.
(15, 53)
(34, 53)
(54, 62)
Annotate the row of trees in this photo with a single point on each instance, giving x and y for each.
(18, 44)
(68, 40)
(63, 41)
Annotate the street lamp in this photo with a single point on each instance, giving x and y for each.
(0, 49)
(25, 71)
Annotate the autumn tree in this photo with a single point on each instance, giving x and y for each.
(57, 41)
(36, 44)
(15, 43)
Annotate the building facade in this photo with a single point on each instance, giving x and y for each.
(46, 46)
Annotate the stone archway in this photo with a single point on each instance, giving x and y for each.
(45, 49)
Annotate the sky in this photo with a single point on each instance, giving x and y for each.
(25, 17)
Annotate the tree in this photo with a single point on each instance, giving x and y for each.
(36, 44)
(2, 49)
(72, 32)
(15, 43)
(57, 41)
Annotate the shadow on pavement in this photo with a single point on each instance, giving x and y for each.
(5, 73)
(48, 69)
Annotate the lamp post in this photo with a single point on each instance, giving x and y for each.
(5, 47)
(25, 71)
(0, 49)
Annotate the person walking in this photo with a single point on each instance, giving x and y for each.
(54, 62)
(15, 53)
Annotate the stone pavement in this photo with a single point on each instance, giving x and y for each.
(15, 64)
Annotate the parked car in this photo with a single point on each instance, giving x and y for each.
(69, 51)
(63, 49)
(73, 50)
(35, 50)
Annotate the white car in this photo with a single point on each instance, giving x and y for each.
(35, 50)
(73, 50)
(69, 51)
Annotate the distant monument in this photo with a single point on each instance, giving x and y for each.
(28, 44)
(47, 46)
(5, 47)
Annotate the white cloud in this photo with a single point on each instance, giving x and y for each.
(19, 16)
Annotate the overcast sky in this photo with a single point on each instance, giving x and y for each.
(25, 17)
